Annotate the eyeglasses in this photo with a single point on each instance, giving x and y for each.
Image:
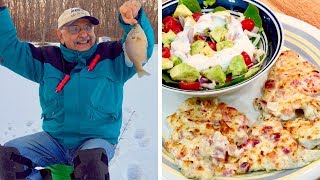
(75, 29)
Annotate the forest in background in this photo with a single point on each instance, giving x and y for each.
(36, 20)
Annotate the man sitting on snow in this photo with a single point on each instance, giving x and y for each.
(81, 93)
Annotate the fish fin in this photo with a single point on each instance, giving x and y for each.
(144, 62)
(128, 62)
(143, 73)
(126, 58)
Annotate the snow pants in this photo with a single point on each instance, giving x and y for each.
(43, 150)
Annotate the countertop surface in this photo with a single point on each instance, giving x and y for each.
(305, 10)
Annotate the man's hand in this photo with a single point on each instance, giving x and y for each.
(129, 10)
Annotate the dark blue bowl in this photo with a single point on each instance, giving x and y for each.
(273, 40)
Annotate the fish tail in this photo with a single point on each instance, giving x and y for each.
(142, 73)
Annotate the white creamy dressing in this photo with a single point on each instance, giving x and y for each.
(181, 45)
(210, 21)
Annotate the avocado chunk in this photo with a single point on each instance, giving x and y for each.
(167, 38)
(189, 21)
(237, 66)
(175, 59)
(206, 32)
(224, 44)
(182, 10)
(207, 51)
(218, 34)
(215, 74)
(166, 64)
(197, 46)
(201, 47)
(184, 72)
(251, 72)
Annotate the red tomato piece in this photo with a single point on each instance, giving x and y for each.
(166, 52)
(247, 24)
(246, 59)
(196, 16)
(167, 19)
(177, 28)
(170, 23)
(198, 37)
(229, 78)
(212, 45)
(189, 85)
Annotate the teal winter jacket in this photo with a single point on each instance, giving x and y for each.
(90, 104)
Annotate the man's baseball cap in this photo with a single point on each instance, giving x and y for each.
(71, 15)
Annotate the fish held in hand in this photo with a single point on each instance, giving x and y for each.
(135, 49)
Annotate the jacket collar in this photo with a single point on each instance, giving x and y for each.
(77, 56)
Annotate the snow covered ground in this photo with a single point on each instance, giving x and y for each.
(136, 153)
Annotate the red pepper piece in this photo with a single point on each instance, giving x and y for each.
(94, 62)
(63, 83)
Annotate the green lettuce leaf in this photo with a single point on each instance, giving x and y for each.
(252, 12)
(167, 79)
(218, 8)
(207, 3)
(192, 5)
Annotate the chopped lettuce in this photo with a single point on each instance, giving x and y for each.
(251, 72)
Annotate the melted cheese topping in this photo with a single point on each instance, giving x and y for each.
(212, 139)
(292, 84)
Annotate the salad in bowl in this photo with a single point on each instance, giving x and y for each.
(211, 48)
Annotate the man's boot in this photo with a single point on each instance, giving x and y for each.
(46, 174)
(91, 164)
(12, 164)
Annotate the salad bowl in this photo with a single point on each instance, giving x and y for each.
(259, 50)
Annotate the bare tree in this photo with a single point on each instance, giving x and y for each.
(36, 20)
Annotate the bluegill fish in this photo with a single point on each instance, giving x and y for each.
(135, 48)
